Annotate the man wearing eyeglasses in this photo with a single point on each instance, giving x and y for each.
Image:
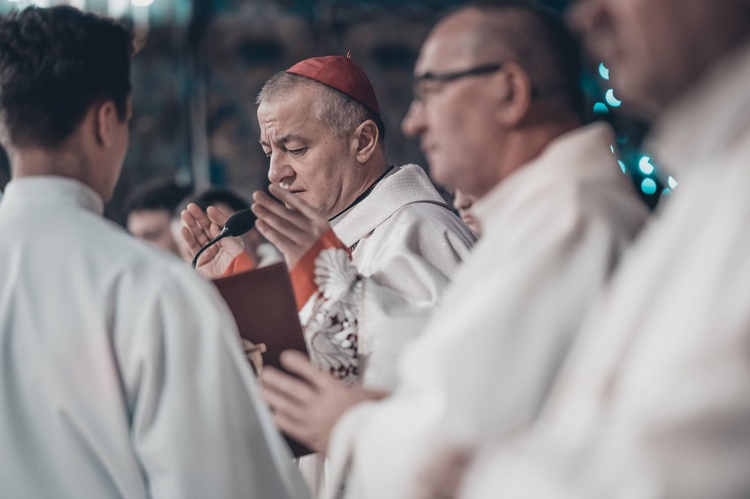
(654, 402)
(497, 110)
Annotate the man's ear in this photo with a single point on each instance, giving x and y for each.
(515, 94)
(105, 117)
(365, 141)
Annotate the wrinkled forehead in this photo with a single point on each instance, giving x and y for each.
(294, 112)
(294, 102)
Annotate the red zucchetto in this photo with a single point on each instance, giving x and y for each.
(341, 73)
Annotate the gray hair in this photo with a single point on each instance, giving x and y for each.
(338, 111)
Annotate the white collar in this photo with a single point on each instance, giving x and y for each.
(53, 190)
(581, 153)
(405, 185)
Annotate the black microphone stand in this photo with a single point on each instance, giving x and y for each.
(224, 233)
(237, 225)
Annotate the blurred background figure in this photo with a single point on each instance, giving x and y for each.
(261, 251)
(149, 211)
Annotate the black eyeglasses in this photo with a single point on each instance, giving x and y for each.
(421, 90)
(428, 83)
(455, 75)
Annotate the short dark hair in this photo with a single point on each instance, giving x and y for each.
(55, 63)
(157, 195)
(213, 196)
(545, 48)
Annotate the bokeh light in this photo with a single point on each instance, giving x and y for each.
(648, 186)
(611, 99)
(645, 165)
(603, 71)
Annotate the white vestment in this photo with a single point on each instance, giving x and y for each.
(121, 373)
(406, 243)
(552, 232)
(654, 401)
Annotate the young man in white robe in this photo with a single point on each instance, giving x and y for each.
(122, 373)
(654, 401)
(497, 109)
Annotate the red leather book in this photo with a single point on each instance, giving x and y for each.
(263, 305)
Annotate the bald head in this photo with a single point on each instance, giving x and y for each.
(534, 39)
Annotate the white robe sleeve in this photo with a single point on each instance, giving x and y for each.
(680, 433)
(486, 364)
(193, 440)
(654, 401)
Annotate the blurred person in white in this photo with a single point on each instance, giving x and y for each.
(497, 108)
(228, 202)
(148, 212)
(654, 401)
(122, 373)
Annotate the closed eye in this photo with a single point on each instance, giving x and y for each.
(298, 151)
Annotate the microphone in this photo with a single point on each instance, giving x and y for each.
(236, 225)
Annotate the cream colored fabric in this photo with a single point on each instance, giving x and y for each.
(406, 245)
(552, 232)
(121, 373)
(654, 401)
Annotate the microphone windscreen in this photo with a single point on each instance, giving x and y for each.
(240, 222)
